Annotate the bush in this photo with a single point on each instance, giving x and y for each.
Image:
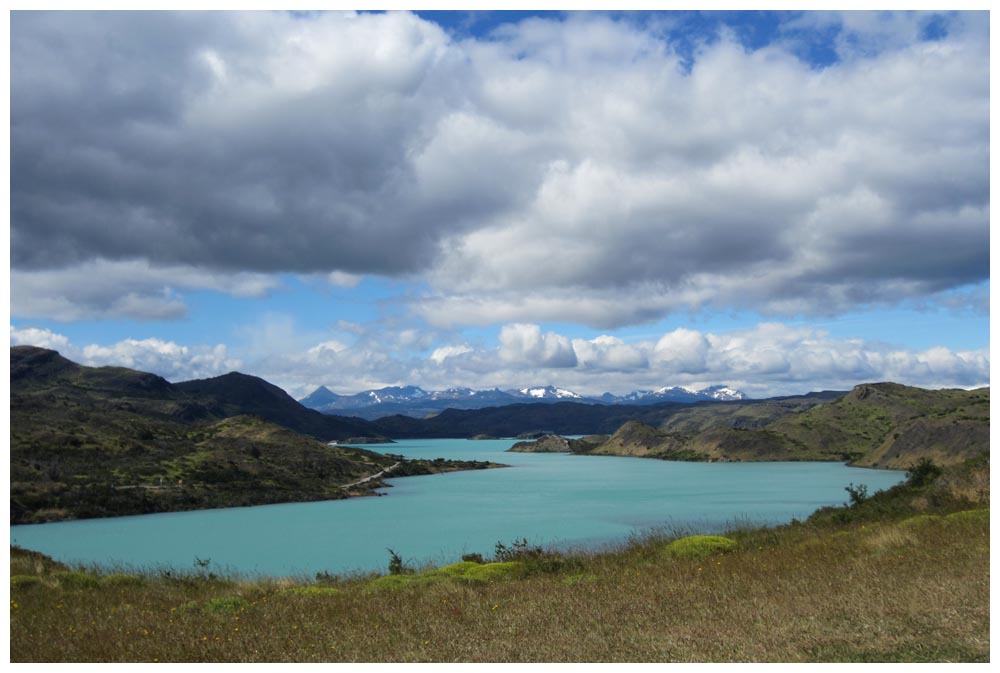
(455, 569)
(226, 604)
(519, 550)
(395, 582)
(494, 571)
(71, 579)
(699, 546)
(970, 516)
(923, 473)
(858, 493)
(21, 582)
(122, 580)
(312, 590)
(396, 566)
(919, 520)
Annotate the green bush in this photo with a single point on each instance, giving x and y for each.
(122, 580)
(22, 582)
(395, 582)
(226, 604)
(582, 578)
(455, 569)
(970, 516)
(494, 571)
(71, 579)
(312, 590)
(919, 520)
(699, 546)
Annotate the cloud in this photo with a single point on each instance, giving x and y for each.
(608, 353)
(573, 170)
(682, 351)
(766, 360)
(168, 359)
(136, 290)
(520, 343)
(43, 338)
(444, 352)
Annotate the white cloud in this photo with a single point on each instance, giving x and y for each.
(608, 353)
(525, 344)
(35, 336)
(765, 360)
(168, 359)
(682, 351)
(557, 171)
(444, 352)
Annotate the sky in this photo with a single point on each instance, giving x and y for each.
(776, 201)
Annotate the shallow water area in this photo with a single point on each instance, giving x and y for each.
(557, 500)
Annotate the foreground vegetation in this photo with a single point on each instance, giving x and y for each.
(901, 575)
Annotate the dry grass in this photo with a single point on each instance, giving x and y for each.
(799, 593)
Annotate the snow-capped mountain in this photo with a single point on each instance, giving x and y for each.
(417, 402)
(546, 393)
(676, 394)
(323, 399)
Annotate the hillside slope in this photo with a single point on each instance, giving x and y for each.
(575, 418)
(876, 425)
(107, 441)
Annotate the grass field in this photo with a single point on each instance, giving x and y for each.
(903, 576)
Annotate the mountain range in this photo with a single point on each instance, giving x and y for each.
(416, 402)
(106, 441)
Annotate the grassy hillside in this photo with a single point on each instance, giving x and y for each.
(898, 577)
(894, 426)
(93, 442)
(577, 418)
(875, 425)
(52, 391)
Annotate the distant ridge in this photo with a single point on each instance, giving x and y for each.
(419, 403)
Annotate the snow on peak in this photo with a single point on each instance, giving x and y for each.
(548, 392)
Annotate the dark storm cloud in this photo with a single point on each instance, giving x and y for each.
(219, 141)
(571, 170)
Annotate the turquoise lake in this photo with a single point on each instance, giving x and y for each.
(556, 500)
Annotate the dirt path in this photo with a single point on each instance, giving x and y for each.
(374, 476)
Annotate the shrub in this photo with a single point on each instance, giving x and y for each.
(699, 546)
(395, 582)
(396, 566)
(858, 493)
(519, 550)
(919, 520)
(474, 558)
(226, 604)
(455, 569)
(923, 473)
(72, 579)
(22, 582)
(312, 590)
(970, 516)
(122, 580)
(494, 571)
(582, 578)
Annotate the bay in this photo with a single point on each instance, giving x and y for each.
(554, 500)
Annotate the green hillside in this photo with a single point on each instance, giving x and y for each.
(94, 442)
(875, 425)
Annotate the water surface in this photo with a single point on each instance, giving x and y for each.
(551, 499)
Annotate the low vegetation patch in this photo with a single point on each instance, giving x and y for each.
(699, 546)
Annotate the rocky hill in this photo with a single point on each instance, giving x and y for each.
(876, 425)
(106, 441)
